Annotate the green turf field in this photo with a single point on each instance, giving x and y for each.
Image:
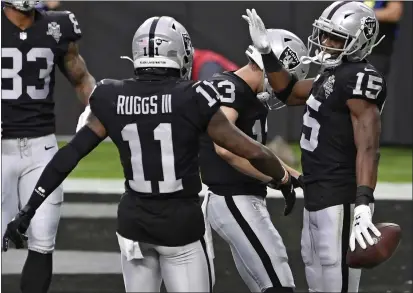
(103, 162)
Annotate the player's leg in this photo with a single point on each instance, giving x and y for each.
(37, 270)
(244, 271)
(313, 270)
(142, 275)
(186, 268)
(245, 224)
(332, 227)
(10, 161)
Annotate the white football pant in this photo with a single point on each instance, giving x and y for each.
(23, 161)
(183, 269)
(324, 245)
(259, 253)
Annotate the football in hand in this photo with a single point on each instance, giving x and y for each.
(382, 250)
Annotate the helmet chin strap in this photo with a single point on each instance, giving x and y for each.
(264, 96)
(320, 56)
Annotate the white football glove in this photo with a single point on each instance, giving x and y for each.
(361, 223)
(83, 118)
(258, 32)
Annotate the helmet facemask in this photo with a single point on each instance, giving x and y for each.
(22, 6)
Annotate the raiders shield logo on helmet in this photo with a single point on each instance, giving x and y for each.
(289, 58)
(370, 26)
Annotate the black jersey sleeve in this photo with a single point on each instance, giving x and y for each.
(98, 100)
(203, 104)
(362, 81)
(70, 27)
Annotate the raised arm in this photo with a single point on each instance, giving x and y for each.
(285, 85)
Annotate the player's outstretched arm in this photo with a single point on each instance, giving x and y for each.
(241, 164)
(56, 171)
(228, 136)
(67, 158)
(75, 69)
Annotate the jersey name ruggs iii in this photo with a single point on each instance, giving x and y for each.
(156, 125)
(216, 173)
(327, 139)
(28, 71)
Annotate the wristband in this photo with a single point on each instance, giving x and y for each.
(285, 93)
(364, 195)
(277, 184)
(271, 62)
(286, 177)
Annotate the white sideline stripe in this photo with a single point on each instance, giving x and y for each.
(384, 191)
(89, 210)
(66, 262)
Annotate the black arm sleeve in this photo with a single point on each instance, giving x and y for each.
(62, 164)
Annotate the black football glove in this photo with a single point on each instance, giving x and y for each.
(297, 182)
(17, 228)
(287, 191)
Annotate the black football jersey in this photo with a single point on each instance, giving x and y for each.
(327, 140)
(156, 125)
(216, 173)
(28, 71)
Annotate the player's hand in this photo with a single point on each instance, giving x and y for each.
(288, 192)
(16, 229)
(258, 32)
(361, 224)
(83, 118)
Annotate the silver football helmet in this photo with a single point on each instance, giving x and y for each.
(353, 22)
(162, 42)
(289, 49)
(22, 5)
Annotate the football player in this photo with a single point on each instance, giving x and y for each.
(156, 120)
(32, 44)
(235, 201)
(340, 137)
